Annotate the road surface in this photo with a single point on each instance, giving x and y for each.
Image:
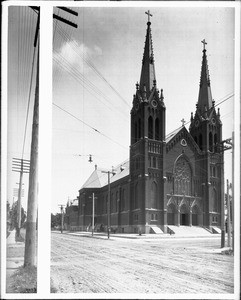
(147, 265)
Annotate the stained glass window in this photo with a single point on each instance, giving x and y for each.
(182, 177)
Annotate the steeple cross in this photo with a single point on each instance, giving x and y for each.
(204, 43)
(149, 15)
(183, 121)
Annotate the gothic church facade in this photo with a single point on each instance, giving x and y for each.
(170, 179)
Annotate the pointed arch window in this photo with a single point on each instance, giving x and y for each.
(215, 142)
(201, 141)
(123, 199)
(116, 201)
(106, 204)
(157, 127)
(154, 195)
(154, 162)
(150, 127)
(214, 200)
(139, 128)
(112, 203)
(210, 141)
(135, 132)
(136, 200)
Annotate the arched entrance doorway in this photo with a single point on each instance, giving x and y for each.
(184, 215)
(171, 214)
(195, 212)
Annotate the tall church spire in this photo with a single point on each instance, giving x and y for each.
(205, 95)
(148, 70)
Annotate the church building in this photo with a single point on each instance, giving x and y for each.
(171, 179)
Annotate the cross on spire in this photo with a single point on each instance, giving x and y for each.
(204, 43)
(149, 15)
(183, 121)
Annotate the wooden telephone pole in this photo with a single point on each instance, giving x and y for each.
(108, 203)
(224, 145)
(21, 166)
(228, 214)
(62, 217)
(30, 241)
(93, 212)
(31, 224)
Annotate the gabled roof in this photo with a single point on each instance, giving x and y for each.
(189, 139)
(173, 133)
(98, 179)
(122, 170)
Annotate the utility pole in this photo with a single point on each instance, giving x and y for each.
(21, 166)
(233, 192)
(224, 145)
(30, 241)
(108, 203)
(228, 214)
(62, 217)
(31, 225)
(93, 213)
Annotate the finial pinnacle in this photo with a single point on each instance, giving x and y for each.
(204, 43)
(162, 97)
(149, 15)
(183, 122)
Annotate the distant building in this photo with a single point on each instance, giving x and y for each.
(173, 179)
(71, 214)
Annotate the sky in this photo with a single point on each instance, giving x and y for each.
(95, 69)
(21, 31)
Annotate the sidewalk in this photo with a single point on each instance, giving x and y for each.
(14, 255)
(103, 235)
(115, 236)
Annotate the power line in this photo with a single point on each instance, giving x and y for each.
(96, 130)
(29, 95)
(74, 45)
(218, 103)
(88, 85)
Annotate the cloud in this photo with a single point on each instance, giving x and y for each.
(75, 54)
(98, 50)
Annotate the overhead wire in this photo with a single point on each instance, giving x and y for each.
(28, 102)
(99, 92)
(216, 104)
(18, 65)
(87, 84)
(75, 46)
(28, 50)
(96, 130)
(91, 88)
(100, 75)
(86, 124)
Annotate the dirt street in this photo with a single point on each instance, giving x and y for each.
(146, 265)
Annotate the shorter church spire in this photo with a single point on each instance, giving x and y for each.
(205, 95)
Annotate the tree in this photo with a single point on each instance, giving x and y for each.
(13, 216)
(55, 220)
